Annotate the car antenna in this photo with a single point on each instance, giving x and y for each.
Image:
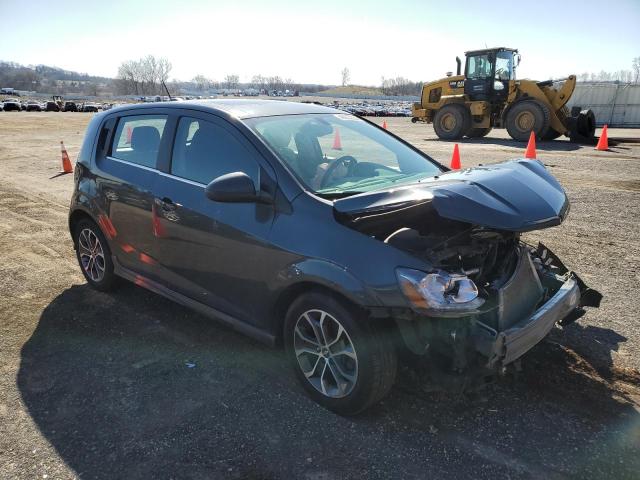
(166, 89)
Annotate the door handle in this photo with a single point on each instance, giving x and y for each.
(167, 204)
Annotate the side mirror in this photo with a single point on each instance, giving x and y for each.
(236, 187)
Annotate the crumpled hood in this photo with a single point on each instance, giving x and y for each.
(518, 195)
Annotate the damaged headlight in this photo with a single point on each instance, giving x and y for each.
(439, 290)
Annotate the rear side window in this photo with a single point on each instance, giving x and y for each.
(137, 139)
(204, 151)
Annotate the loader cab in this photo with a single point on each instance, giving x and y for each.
(488, 72)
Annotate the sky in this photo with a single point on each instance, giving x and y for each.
(311, 42)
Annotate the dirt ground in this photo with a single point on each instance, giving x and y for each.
(130, 385)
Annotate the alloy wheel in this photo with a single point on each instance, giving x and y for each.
(325, 353)
(91, 255)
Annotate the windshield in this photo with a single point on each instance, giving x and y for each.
(340, 154)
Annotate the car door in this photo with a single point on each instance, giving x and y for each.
(126, 176)
(210, 251)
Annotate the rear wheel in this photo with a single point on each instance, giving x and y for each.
(452, 121)
(344, 362)
(94, 256)
(525, 117)
(478, 132)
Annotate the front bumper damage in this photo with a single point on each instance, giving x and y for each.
(540, 293)
(509, 345)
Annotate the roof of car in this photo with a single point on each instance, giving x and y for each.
(243, 108)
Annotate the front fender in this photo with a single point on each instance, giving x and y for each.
(331, 276)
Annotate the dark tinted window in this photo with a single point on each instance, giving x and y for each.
(204, 151)
(137, 139)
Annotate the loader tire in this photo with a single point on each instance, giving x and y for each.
(478, 132)
(452, 121)
(527, 116)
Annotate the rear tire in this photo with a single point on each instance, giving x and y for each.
(94, 256)
(343, 361)
(452, 121)
(478, 132)
(527, 116)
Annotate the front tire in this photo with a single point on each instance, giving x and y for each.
(528, 116)
(342, 360)
(94, 256)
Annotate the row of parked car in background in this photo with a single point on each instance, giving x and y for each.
(12, 104)
(363, 108)
(375, 109)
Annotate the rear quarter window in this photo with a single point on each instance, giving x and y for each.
(137, 139)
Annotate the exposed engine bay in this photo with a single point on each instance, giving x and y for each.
(483, 254)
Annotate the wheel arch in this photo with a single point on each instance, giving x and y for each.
(74, 218)
(324, 277)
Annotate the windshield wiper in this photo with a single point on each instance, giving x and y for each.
(376, 181)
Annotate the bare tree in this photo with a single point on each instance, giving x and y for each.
(400, 86)
(636, 69)
(346, 76)
(259, 82)
(275, 83)
(163, 68)
(231, 81)
(143, 76)
(202, 82)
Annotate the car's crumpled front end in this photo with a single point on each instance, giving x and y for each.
(512, 311)
(486, 297)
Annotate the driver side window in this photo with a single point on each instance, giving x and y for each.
(204, 151)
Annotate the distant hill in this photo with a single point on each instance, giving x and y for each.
(45, 78)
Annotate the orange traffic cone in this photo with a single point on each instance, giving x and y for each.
(531, 147)
(129, 133)
(384, 125)
(337, 144)
(66, 162)
(603, 141)
(455, 158)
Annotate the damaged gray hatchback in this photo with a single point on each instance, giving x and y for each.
(308, 227)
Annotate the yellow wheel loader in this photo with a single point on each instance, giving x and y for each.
(488, 95)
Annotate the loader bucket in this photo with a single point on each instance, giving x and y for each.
(582, 126)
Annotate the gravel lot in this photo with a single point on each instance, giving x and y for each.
(129, 385)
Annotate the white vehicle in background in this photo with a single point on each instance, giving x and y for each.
(12, 104)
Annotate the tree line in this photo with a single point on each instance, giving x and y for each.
(257, 82)
(622, 76)
(143, 77)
